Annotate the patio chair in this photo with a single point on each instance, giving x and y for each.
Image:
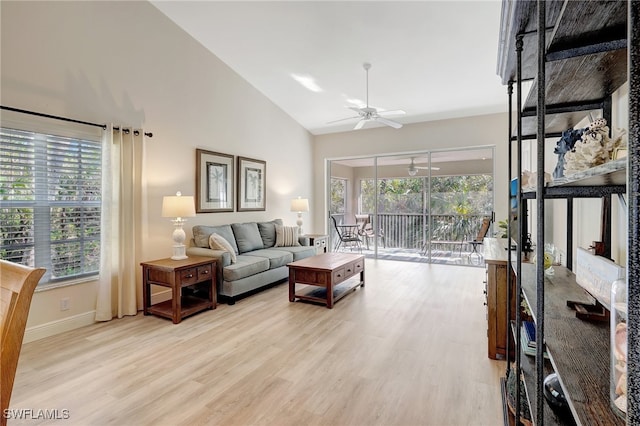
(366, 229)
(347, 236)
(16, 290)
(484, 228)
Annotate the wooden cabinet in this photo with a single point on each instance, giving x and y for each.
(178, 274)
(495, 259)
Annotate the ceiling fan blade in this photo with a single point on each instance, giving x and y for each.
(427, 168)
(392, 112)
(360, 124)
(343, 119)
(356, 109)
(388, 122)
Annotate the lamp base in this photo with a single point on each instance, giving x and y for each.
(299, 223)
(179, 252)
(178, 239)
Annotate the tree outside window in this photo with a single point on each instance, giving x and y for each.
(338, 195)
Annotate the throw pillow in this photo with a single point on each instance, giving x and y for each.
(268, 232)
(201, 235)
(247, 237)
(216, 242)
(286, 236)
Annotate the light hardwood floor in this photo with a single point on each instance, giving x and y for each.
(408, 349)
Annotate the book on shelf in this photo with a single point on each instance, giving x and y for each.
(529, 331)
(528, 339)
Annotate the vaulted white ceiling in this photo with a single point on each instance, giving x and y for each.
(432, 59)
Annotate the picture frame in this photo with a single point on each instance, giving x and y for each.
(214, 182)
(252, 183)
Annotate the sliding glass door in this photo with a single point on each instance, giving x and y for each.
(420, 206)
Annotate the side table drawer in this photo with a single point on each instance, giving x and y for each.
(204, 273)
(189, 276)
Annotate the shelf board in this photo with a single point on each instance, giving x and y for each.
(528, 368)
(611, 173)
(189, 306)
(578, 350)
(586, 58)
(608, 178)
(589, 23)
(520, 17)
(313, 293)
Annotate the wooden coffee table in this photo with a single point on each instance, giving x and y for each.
(327, 271)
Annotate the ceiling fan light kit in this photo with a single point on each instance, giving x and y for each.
(413, 169)
(369, 113)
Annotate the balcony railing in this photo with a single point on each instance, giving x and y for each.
(411, 231)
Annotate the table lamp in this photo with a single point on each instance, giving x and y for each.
(299, 205)
(179, 207)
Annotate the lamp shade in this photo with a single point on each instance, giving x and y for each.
(300, 205)
(178, 206)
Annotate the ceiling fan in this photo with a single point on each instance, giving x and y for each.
(369, 113)
(413, 169)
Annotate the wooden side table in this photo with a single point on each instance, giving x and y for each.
(319, 241)
(177, 274)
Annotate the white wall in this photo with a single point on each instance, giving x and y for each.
(485, 130)
(126, 63)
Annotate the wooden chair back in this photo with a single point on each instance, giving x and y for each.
(17, 284)
(484, 228)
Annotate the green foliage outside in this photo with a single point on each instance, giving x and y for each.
(63, 204)
(338, 195)
(457, 203)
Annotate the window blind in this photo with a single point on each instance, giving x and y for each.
(50, 194)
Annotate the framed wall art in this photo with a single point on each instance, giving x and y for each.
(252, 181)
(214, 182)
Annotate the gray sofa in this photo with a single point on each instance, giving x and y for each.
(259, 263)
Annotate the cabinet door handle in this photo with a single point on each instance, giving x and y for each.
(189, 276)
(205, 272)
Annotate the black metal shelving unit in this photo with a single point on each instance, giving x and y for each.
(577, 53)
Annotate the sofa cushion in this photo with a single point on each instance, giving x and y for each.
(300, 252)
(286, 236)
(201, 235)
(268, 232)
(247, 236)
(217, 242)
(245, 266)
(276, 257)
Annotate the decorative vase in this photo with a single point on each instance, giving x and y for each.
(618, 319)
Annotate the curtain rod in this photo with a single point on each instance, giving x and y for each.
(56, 117)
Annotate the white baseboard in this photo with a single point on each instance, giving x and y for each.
(60, 326)
(52, 328)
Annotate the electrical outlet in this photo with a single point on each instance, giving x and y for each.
(65, 304)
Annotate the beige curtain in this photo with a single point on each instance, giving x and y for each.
(119, 291)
